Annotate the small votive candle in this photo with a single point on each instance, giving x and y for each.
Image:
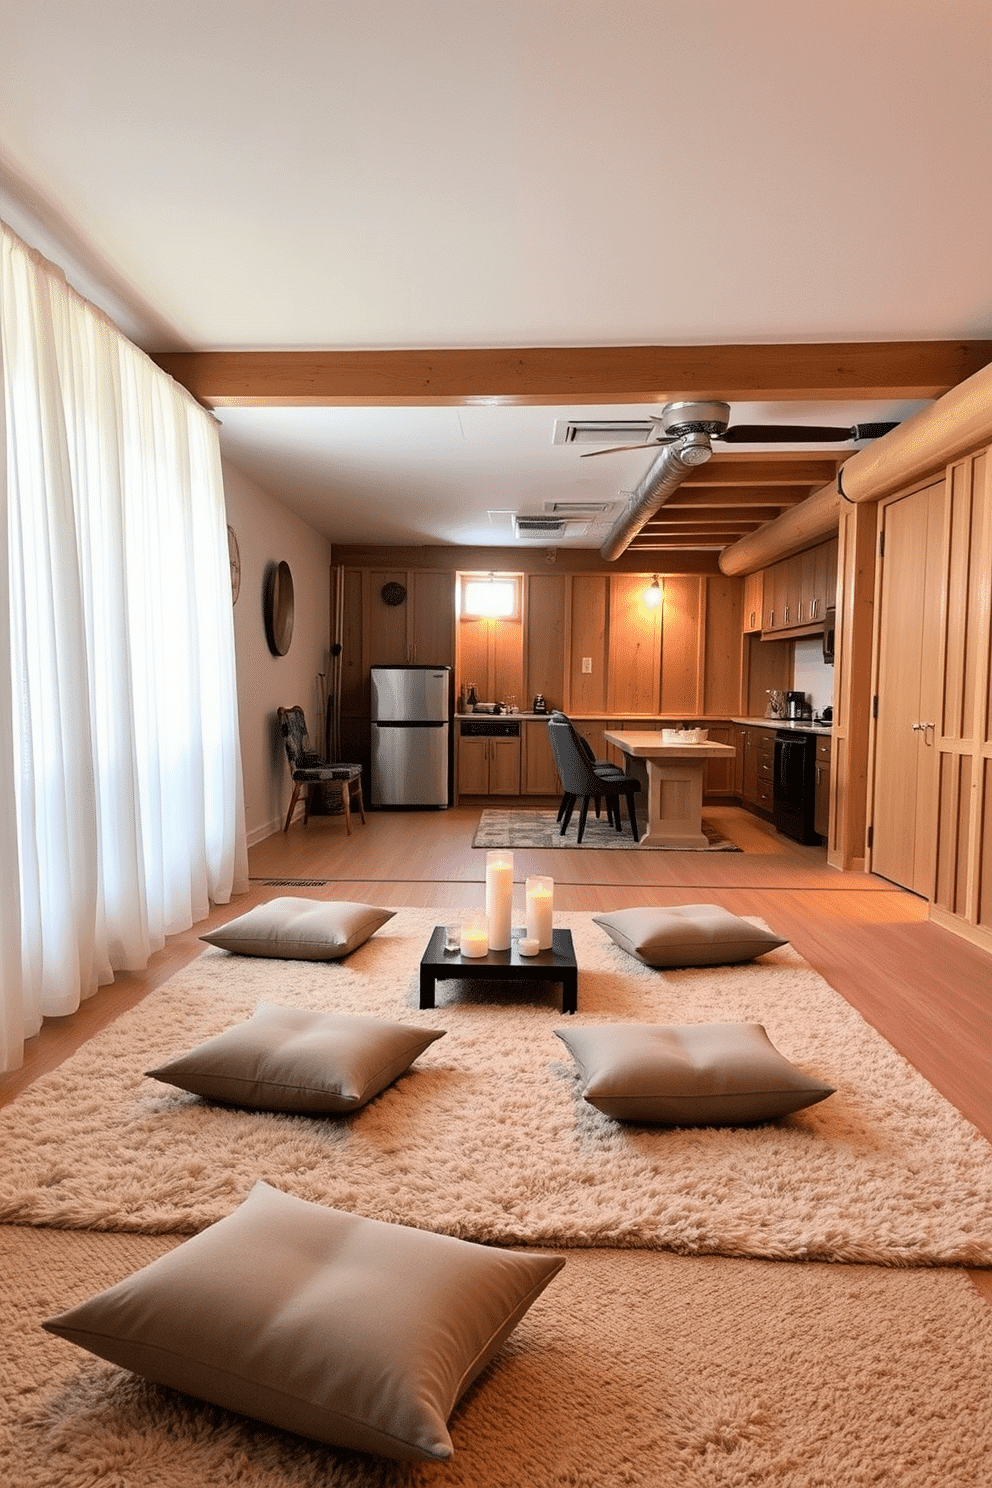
(475, 937)
(528, 946)
(540, 909)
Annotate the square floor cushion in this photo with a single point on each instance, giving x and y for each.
(686, 935)
(698, 1074)
(347, 1330)
(292, 929)
(292, 1059)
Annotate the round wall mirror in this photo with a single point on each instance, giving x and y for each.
(279, 608)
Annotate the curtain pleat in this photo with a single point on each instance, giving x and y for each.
(123, 806)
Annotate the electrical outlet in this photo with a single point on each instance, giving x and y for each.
(587, 665)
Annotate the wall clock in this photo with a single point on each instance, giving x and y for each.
(234, 553)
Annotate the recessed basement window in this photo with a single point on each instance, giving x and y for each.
(490, 596)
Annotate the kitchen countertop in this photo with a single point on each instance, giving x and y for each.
(803, 726)
(792, 725)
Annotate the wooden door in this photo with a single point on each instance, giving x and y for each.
(907, 688)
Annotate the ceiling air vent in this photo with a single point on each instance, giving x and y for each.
(541, 527)
(603, 431)
(560, 519)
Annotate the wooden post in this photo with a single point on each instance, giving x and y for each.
(854, 640)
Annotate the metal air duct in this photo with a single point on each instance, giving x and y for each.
(664, 475)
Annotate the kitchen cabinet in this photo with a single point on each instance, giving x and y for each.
(538, 769)
(798, 591)
(758, 767)
(718, 774)
(753, 601)
(738, 742)
(821, 808)
(488, 765)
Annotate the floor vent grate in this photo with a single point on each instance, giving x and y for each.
(298, 883)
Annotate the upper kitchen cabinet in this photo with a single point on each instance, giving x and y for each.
(753, 600)
(798, 591)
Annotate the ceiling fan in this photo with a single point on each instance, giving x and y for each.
(713, 420)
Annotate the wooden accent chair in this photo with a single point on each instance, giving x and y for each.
(307, 768)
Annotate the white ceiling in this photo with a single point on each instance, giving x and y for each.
(452, 173)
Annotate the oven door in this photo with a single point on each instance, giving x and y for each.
(794, 786)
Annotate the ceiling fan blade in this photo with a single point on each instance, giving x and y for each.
(800, 433)
(617, 449)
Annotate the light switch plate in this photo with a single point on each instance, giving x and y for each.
(587, 665)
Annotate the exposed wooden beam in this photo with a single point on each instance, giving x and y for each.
(744, 517)
(810, 522)
(645, 543)
(704, 498)
(576, 374)
(811, 471)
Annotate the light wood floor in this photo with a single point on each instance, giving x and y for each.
(927, 991)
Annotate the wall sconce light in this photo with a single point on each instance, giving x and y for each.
(654, 594)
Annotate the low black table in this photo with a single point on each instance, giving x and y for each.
(556, 965)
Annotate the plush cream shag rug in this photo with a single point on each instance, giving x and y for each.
(487, 1136)
(634, 1369)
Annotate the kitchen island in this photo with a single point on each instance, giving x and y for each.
(671, 777)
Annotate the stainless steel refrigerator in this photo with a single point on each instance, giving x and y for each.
(412, 735)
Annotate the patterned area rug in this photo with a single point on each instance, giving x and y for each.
(498, 828)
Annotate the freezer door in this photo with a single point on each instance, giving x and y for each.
(410, 764)
(410, 692)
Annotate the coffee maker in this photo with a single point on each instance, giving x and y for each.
(796, 705)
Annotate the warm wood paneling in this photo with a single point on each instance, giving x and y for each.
(354, 670)
(545, 639)
(721, 637)
(682, 646)
(474, 659)
(432, 595)
(907, 686)
(508, 662)
(765, 665)
(386, 640)
(590, 608)
(634, 647)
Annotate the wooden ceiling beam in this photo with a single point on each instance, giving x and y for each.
(576, 374)
(645, 542)
(724, 516)
(765, 469)
(717, 497)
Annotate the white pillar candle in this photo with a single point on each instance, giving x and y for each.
(475, 937)
(540, 908)
(499, 899)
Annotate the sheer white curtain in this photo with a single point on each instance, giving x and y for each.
(121, 815)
